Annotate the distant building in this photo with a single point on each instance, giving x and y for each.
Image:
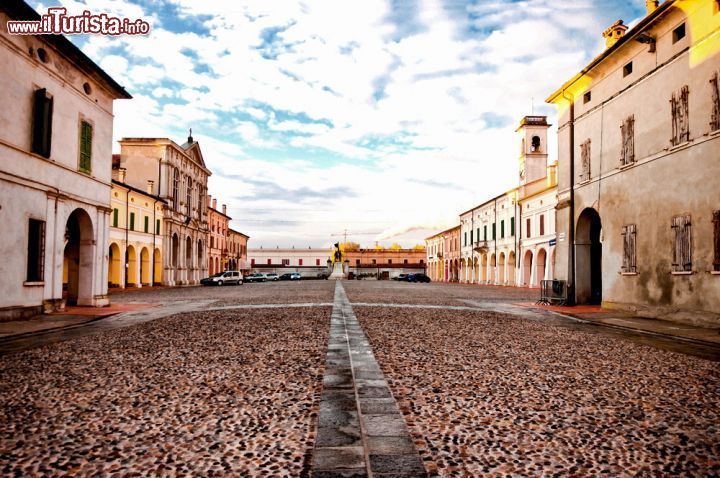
(386, 263)
(309, 262)
(136, 236)
(638, 216)
(218, 223)
(443, 255)
(181, 177)
(56, 148)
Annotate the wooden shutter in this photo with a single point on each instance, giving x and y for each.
(629, 250)
(42, 123)
(85, 146)
(716, 240)
(682, 246)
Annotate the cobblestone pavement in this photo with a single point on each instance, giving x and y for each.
(276, 292)
(212, 393)
(434, 293)
(236, 392)
(486, 394)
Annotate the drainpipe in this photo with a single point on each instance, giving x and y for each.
(154, 227)
(571, 232)
(127, 225)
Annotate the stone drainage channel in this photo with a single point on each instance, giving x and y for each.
(361, 432)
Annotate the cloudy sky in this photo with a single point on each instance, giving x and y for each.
(383, 117)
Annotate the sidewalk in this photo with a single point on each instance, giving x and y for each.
(70, 317)
(622, 320)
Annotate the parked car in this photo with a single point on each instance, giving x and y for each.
(418, 278)
(290, 276)
(255, 277)
(272, 276)
(222, 278)
(401, 277)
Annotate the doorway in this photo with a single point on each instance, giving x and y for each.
(588, 258)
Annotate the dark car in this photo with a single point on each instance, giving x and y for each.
(418, 278)
(290, 276)
(401, 278)
(255, 277)
(222, 278)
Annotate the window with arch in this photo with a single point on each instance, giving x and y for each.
(188, 195)
(176, 189)
(535, 144)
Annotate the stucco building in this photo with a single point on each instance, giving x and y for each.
(309, 262)
(638, 216)
(386, 263)
(181, 177)
(136, 235)
(55, 171)
(218, 224)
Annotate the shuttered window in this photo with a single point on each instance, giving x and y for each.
(527, 227)
(115, 217)
(715, 92)
(494, 231)
(132, 221)
(585, 160)
(542, 224)
(86, 132)
(485, 233)
(679, 108)
(42, 123)
(627, 132)
(36, 251)
(629, 250)
(147, 224)
(157, 226)
(716, 241)
(512, 226)
(682, 244)
(502, 229)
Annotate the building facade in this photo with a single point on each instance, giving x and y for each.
(385, 263)
(55, 171)
(181, 177)
(219, 225)
(310, 262)
(136, 236)
(443, 255)
(638, 212)
(537, 197)
(237, 251)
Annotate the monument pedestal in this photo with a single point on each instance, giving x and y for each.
(338, 271)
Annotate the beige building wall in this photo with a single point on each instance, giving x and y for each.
(237, 250)
(664, 180)
(181, 176)
(48, 191)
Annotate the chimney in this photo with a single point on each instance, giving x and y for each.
(224, 209)
(209, 200)
(614, 33)
(151, 186)
(651, 5)
(215, 204)
(121, 174)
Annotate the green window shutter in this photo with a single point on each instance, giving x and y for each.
(471, 237)
(485, 233)
(115, 217)
(85, 146)
(494, 230)
(157, 226)
(42, 123)
(132, 221)
(502, 229)
(147, 224)
(512, 226)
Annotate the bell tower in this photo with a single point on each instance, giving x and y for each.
(533, 149)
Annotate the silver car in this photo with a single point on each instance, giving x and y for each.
(222, 278)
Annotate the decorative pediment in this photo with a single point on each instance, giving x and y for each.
(193, 150)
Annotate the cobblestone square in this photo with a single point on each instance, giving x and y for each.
(280, 379)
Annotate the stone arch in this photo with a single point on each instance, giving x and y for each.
(511, 266)
(501, 268)
(157, 264)
(588, 258)
(527, 268)
(145, 267)
(115, 264)
(484, 268)
(540, 266)
(131, 268)
(78, 261)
